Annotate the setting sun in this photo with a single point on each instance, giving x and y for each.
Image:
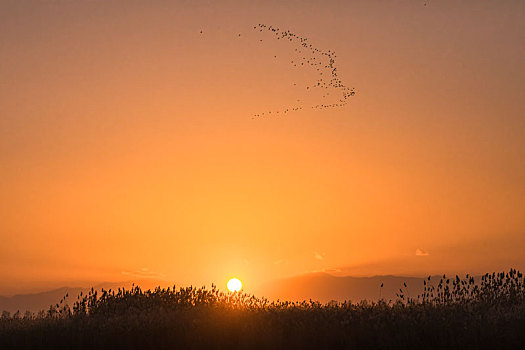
(234, 285)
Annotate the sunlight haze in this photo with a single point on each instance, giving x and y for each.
(129, 148)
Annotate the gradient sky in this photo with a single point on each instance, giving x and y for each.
(128, 148)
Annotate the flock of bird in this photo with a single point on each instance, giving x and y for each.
(323, 63)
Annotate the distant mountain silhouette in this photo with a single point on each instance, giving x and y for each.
(324, 287)
(35, 302)
(38, 301)
(321, 287)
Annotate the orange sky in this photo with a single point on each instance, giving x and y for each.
(128, 148)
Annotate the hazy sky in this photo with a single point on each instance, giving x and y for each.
(128, 148)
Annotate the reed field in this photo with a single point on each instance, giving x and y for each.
(451, 313)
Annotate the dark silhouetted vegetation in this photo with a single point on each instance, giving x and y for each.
(460, 313)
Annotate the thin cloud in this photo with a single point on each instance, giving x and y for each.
(332, 270)
(143, 272)
(421, 252)
(319, 256)
(328, 270)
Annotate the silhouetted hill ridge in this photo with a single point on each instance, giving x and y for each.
(320, 286)
(324, 287)
(35, 302)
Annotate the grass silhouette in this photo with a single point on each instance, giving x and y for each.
(450, 313)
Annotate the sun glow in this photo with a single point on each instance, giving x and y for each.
(234, 285)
